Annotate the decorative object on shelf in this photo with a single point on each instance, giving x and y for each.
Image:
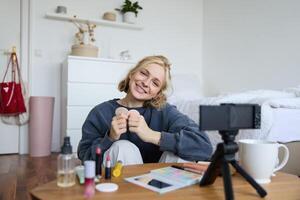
(85, 38)
(125, 55)
(85, 34)
(110, 16)
(129, 11)
(61, 9)
(84, 50)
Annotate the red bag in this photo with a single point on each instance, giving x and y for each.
(11, 97)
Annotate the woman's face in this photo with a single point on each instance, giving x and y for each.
(145, 83)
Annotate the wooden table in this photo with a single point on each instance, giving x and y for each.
(283, 186)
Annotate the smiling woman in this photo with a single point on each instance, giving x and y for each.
(156, 131)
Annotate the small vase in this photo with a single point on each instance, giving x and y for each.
(130, 18)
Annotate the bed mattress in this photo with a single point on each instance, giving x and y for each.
(286, 125)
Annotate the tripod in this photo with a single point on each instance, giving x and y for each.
(225, 154)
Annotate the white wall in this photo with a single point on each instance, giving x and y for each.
(171, 27)
(247, 44)
(9, 37)
(251, 45)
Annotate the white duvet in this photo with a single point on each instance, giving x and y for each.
(268, 99)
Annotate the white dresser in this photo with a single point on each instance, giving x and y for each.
(86, 82)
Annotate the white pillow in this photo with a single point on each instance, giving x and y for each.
(294, 90)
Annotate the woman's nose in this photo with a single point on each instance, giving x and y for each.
(146, 82)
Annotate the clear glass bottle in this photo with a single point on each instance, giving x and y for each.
(66, 165)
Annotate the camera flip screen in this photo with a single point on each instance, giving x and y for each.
(229, 117)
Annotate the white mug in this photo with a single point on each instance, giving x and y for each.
(259, 158)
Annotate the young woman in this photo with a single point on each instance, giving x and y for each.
(143, 136)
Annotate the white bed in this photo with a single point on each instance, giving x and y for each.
(280, 120)
(286, 125)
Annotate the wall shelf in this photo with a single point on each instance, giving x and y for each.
(65, 17)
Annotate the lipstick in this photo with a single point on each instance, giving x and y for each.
(107, 167)
(98, 163)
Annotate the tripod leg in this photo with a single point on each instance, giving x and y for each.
(227, 180)
(260, 190)
(213, 170)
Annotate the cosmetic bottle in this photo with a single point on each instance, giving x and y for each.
(66, 165)
(117, 171)
(89, 178)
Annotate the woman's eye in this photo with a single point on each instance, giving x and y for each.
(143, 73)
(155, 84)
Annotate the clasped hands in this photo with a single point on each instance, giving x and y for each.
(135, 123)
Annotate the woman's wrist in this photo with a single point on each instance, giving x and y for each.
(155, 137)
(110, 136)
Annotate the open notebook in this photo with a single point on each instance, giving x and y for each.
(165, 179)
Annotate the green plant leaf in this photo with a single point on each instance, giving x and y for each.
(128, 6)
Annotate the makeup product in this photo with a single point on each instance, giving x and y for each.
(98, 163)
(187, 169)
(80, 173)
(89, 174)
(117, 171)
(194, 170)
(177, 167)
(134, 113)
(107, 167)
(107, 187)
(121, 110)
(66, 165)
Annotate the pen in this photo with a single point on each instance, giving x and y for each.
(177, 167)
(187, 169)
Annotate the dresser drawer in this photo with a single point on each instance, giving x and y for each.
(86, 94)
(97, 72)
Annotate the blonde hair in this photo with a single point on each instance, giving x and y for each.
(160, 99)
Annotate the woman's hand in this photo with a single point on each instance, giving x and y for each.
(118, 126)
(138, 125)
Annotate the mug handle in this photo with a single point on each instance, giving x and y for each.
(285, 158)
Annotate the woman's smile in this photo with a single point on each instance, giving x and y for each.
(140, 89)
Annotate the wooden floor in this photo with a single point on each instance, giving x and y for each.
(20, 173)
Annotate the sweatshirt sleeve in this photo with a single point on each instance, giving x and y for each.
(183, 137)
(95, 133)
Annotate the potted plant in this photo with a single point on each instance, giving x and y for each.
(130, 11)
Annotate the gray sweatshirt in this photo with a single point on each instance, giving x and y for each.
(179, 134)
